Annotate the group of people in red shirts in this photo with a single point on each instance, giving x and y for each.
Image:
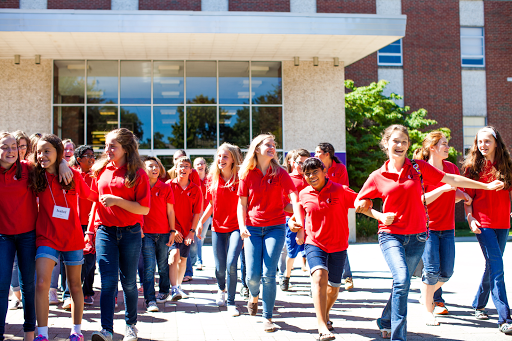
(122, 206)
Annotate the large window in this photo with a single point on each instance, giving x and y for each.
(391, 55)
(169, 105)
(472, 46)
(471, 126)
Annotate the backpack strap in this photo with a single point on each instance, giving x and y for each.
(418, 170)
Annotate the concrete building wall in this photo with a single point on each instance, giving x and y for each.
(25, 95)
(395, 77)
(471, 13)
(215, 5)
(474, 94)
(260, 5)
(125, 5)
(303, 6)
(33, 4)
(166, 5)
(74, 4)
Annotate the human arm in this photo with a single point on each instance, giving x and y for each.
(241, 212)
(297, 210)
(436, 193)
(171, 218)
(134, 207)
(473, 223)
(463, 182)
(385, 218)
(65, 172)
(299, 238)
(461, 195)
(206, 215)
(190, 237)
(90, 232)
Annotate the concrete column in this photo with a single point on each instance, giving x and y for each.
(33, 4)
(124, 5)
(303, 6)
(215, 5)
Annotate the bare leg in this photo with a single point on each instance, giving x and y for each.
(289, 266)
(44, 267)
(29, 336)
(319, 280)
(428, 300)
(17, 294)
(73, 275)
(174, 259)
(332, 296)
(182, 268)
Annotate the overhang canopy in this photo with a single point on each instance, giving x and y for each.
(79, 34)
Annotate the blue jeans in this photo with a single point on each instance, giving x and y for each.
(24, 244)
(15, 281)
(438, 295)
(192, 257)
(346, 269)
(243, 269)
(402, 254)
(262, 251)
(117, 252)
(492, 242)
(155, 252)
(226, 250)
(438, 257)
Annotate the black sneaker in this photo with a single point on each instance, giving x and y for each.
(285, 283)
(244, 293)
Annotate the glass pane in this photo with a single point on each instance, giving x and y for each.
(168, 128)
(201, 127)
(68, 123)
(138, 121)
(472, 61)
(473, 121)
(135, 82)
(202, 82)
(393, 48)
(102, 82)
(168, 83)
(390, 59)
(472, 46)
(234, 126)
(100, 120)
(468, 140)
(208, 158)
(166, 161)
(266, 82)
(234, 82)
(68, 81)
(268, 120)
(472, 31)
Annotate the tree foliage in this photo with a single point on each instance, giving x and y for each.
(368, 112)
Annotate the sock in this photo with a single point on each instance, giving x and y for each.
(77, 329)
(174, 287)
(43, 331)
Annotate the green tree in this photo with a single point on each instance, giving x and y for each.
(367, 113)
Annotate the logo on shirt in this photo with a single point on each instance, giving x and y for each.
(333, 174)
(157, 193)
(410, 176)
(269, 181)
(332, 201)
(15, 178)
(188, 193)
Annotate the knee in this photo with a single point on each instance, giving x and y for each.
(401, 282)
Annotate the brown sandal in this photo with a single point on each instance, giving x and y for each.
(252, 308)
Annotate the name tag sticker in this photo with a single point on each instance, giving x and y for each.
(61, 212)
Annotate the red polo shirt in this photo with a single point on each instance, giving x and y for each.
(442, 210)
(326, 215)
(401, 194)
(224, 200)
(187, 203)
(204, 184)
(490, 208)
(84, 205)
(156, 220)
(338, 173)
(111, 181)
(61, 234)
(17, 200)
(264, 194)
(300, 183)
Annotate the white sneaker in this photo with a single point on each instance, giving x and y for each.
(16, 304)
(53, 296)
(67, 304)
(175, 295)
(130, 333)
(233, 310)
(183, 293)
(103, 335)
(152, 307)
(221, 298)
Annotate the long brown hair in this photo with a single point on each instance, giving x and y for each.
(130, 145)
(386, 134)
(37, 175)
(328, 148)
(475, 162)
(251, 159)
(288, 159)
(4, 134)
(214, 173)
(21, 135)
(431, 140)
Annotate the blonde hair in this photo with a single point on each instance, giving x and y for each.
(214, 173)
(288, 159)
(251, 159)
(431, 140)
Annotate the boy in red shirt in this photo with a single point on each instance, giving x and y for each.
(188, 205)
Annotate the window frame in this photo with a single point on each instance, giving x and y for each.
(462, 57)
(401, 54)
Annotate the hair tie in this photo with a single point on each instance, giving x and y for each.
(489, 130)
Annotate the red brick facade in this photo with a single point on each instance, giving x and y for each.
(170, 5)
(346, 6)
(260, 5)
(364, 71)
(498, 65)
(9, 3)
(79, 4)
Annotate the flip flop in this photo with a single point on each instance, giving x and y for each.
(330, 326)
(187, 279)
(326, 337)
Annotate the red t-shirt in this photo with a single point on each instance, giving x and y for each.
(111, 181)
(490, 208)
(224, 201)
(401, 194)
(326, 215)
(17, 200)
(156, 220)
(264, 194)
(61, 234)
(442, 210)
(187, 203)
(300, 183)
(338, 173)
(84, 205)
(204, 184)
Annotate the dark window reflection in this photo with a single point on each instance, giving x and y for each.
(168, 128)
(208, 158)
(166, 161)
(68, 81)
(202, 82)
(102, 82)
(68, 123)
(268, 120)
(100, 121)
(201, 127)
(168, 83)
(234, 82)
(266, 82)
(135, 82)
(138, 121)
(234, 126)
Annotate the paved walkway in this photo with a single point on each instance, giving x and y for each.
(354, 314)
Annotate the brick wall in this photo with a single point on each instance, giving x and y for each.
(346, 6)
(170, 5)
(79, 4)
(498, 52)
(9, 3)
(364, 71)
(260, 5)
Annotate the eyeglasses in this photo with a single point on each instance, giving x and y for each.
(299, 163)
(310, 174)
(89, 156)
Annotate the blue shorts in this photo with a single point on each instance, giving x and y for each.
(292, 248)
(184, 249)
(333, 262)
(69, 257)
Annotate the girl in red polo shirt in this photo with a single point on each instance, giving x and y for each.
(58, 231)
(261, 220)
(489, 218)
(222, 194)
(402, 242)
(124, 196)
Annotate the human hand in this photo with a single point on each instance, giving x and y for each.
(294, 225)
(467, 199)
(495, 185)
(474, 224)
(244, 233)
(448, 188)
(363, 205)
(387, 218)
(171, 239)
(108, 200)
(178, 238)
(300, 237)
(189, 239)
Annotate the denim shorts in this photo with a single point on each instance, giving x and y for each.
(332, 262)
(70, 258)
(184, 249)
(292, 248)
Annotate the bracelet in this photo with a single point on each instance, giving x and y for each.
(192, 230)
(90, 233)
(173, 231)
